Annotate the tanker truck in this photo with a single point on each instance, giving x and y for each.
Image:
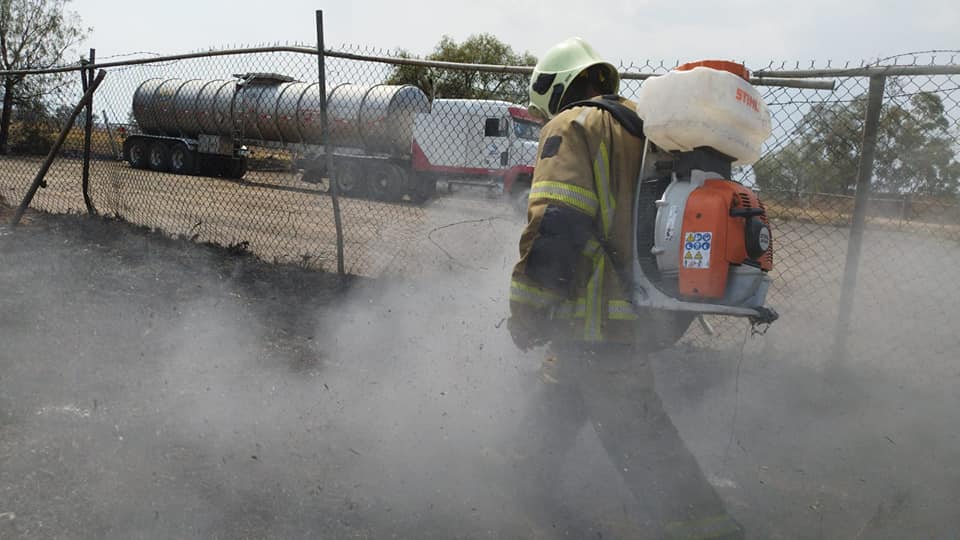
(387, 142)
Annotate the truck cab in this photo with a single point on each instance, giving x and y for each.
(488, 143)
(523, 153)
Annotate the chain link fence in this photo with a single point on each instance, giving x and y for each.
(228, 147)
(906, 235)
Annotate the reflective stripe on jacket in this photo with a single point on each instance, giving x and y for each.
(591, 167)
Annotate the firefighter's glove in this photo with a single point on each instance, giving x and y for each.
(526, 332)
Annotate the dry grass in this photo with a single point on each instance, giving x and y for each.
(99, 141)
(9, 208)
(272, 216)
(937, 219)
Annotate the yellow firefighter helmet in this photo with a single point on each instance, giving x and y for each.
(562, 64)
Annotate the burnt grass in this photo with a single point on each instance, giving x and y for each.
(153, 387)
(87, 445)
(139, 264)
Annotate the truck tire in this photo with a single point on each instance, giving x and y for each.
(137, 154)
(350, 178)
(312, 176)
(181, 159)
(159, 157)
(235, 168)
(388, 182)
(424, 188)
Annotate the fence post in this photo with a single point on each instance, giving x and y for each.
(55, 149)
(325, 141)
(906, 209)
(86, 76)
(854, 244)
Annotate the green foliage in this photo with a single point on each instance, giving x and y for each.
(31, 138)
(33, 130)
(476, 49)
(915, 150)
(34, 34)
(61, 114)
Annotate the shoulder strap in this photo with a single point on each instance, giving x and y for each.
(620, 112)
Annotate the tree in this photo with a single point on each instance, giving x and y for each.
(34, 34)
(476, 49)
(33, 129)
(62, 113)
(915, 151)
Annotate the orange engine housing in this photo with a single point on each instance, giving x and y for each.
(714, 239)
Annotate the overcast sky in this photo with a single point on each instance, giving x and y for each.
(754, 31)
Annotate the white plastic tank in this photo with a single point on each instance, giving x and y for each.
(703, 106)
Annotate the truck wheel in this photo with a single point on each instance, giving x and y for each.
(137, 155)
(424, 189)
(159, 157)
(349, 177)
(181, 159)
(236, 168)
(388, 182)
(312, 176)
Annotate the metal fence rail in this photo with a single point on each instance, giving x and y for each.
(901, 212)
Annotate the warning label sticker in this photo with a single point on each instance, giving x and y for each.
(696, 249)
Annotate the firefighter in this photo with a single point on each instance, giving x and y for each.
(569, 290)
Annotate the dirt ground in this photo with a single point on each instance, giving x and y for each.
(153, 388)
(906, 287)
(276, 215)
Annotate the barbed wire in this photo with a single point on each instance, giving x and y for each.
(916, 54)
(282, 213)
(129, 54)
(889, 95)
